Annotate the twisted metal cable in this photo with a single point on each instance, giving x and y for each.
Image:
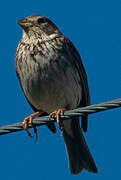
(72, 113)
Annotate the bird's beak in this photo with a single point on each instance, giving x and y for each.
(24, 23)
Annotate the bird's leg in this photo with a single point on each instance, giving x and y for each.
(57, 113)
(29, 119)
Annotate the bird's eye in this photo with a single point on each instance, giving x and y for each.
(40, 20)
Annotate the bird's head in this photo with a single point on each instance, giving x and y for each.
(38, 25)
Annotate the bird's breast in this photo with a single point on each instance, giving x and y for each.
(49, 85)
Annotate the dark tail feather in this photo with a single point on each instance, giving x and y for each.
(79, 155)
(51, 126)
(84, 123)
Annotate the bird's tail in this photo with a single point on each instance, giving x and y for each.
(79, 156)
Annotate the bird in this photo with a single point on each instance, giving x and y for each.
(53, 80)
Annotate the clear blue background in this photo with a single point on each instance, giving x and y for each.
(94, 26)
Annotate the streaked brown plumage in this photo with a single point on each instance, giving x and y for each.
(52, 76)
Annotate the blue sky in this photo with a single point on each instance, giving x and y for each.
(95, 29)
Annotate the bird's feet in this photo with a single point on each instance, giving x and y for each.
(28, 120)
(57, 113)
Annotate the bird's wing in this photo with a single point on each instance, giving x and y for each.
(77, 63)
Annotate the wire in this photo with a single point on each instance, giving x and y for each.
(72, 113)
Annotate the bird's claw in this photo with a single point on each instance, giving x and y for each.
(28, 120)
(57, 113)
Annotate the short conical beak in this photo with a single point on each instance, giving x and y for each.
(24, 23)
(21, 22)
